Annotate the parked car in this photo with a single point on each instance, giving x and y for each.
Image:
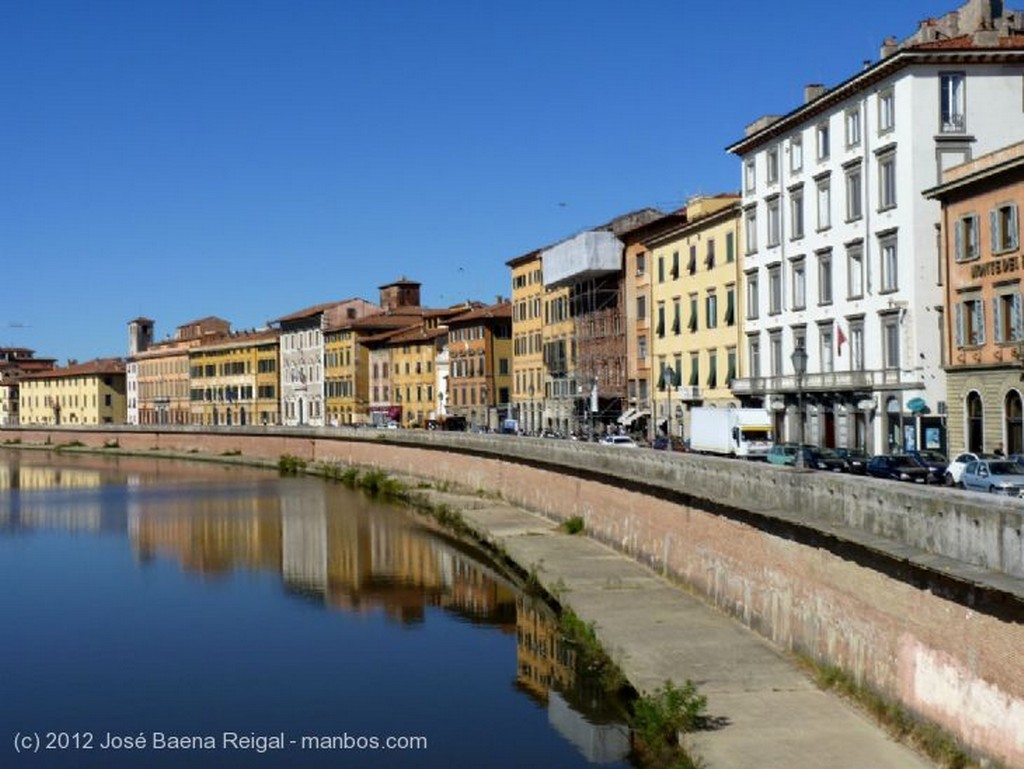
(955, 469)
(996, 476)
(854, 460)
(822, 459)
(782, 454)
(623, 441)
(662, 443)
(934, 461)
(898, 467)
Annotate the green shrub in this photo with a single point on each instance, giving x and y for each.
(658, 719)
(289, 464)
(574, 525)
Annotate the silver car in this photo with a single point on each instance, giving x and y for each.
(997, 476)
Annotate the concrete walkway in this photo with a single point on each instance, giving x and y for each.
(776, 717)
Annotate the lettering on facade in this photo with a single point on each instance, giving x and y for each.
(996, 267)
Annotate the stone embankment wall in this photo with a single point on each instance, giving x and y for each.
(917, 592)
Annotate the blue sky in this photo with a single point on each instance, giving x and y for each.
(247, 159)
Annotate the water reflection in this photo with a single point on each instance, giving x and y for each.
(328, 547)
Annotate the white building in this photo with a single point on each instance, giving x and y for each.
(303, 399)
(841, 253)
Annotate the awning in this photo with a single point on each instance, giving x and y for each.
(627, 417)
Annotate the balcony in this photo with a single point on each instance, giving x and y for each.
(688, 394)
(831, 381)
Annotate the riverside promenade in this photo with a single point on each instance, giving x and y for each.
(775, 717)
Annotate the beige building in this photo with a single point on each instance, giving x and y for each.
(695, 299)
(984, 330)
(89, 393)
(15, 363)
(235, 380)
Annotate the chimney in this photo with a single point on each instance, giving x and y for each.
(812, 91)
(986, 38)
(889, 47)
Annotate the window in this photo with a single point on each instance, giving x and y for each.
(825, 277)
(661, 269)
(730, 305)
(754, 355)
(773, 222)
(712, 381)
(1003, 222)
(886, 180)
(730, 355)
(966, 238)
(1006, 316)
(886, 111)
(796, 153)
(752, 304)
(951, 119)
(772, 162)
(677, 313)
(774, 289)
(711, 309)
(821, 133)
(825, 347)
(749, 174)
(641, 263)
(853, 127)
(730, 248)
(691, 265)
(709, 257)
(855, 271)
(970, 321)
(750, 227)
(888, 255)
(694, 380)
(692, 324)
(824, 187)
(799, 270)
(775, 353)
(660, 330)
(891, 341)
(857, 345)
(854, 210)
(641, 347)
(796, 213)
(641, 308)
(674, 273)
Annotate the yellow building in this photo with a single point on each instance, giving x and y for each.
(235, 381)
(527, 346)
(347, 362)
(695, 298)
(558, 344)
(90, 393)
(413, 353)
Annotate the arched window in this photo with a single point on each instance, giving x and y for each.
(975, 423)
(1014, 414)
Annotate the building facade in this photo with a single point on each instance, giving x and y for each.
(235, 380)
(16, 362)
(981, 204)
(695, 300)
(840, 245)
(91, 393)
(480, 366)
(529, 302)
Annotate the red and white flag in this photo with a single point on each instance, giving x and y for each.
(840, 340)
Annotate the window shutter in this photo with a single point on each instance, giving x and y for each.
(997, 312)
(1013, 227)
(979, 317)
(959, 325)
(959, 227)
(1015, 319)
(993, 224)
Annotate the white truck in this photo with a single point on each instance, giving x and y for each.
(733, 432)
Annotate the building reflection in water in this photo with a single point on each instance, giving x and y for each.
(548, 669)
(330, 545)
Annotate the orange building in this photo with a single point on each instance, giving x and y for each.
(984, 322)
(480, 366)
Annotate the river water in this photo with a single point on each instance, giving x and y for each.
(156, 613)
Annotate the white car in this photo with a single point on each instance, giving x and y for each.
(955, 469)
(619, 440)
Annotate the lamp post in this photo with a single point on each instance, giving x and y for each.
(799, 358)
(670, 382)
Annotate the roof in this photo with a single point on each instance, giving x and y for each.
(402, 281)
(89, 368)
(960, 50)
(238, 339)
(308, 312)
(500, 311)
(400, 317)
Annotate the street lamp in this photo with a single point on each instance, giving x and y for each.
(799, 359)
(670, 382)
